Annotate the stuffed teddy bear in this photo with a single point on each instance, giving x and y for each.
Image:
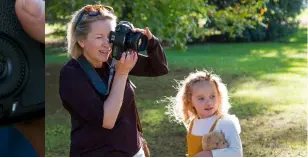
(214, 140)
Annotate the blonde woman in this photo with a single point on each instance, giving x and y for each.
(104, 125)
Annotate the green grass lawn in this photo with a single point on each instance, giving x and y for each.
(267, 84)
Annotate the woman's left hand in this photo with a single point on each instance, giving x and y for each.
(145, 31)
(204, 154)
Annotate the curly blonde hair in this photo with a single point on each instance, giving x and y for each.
(76, 32)
(181, 107)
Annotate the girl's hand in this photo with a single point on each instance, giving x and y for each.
(145, 31)
(204, 154)
(126, 63)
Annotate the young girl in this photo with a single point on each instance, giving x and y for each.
(202, 104)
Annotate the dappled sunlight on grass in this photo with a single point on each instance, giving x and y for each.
(290, 78)
(55, 32)
(61, 55)
(298, 70)
(263, 53)
(270, 91)
(293, 107)
(288, 50)
(51, 28)
(152, 116)
(54, 38)
(278, 134)
(267, 84)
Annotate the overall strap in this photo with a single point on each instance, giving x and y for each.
(214, 124)
(191, 124)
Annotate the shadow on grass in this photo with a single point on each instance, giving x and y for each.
(277, 142)
(298, 37)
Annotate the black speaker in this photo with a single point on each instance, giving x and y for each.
(22, 70)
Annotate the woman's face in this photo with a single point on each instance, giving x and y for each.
(96, 47)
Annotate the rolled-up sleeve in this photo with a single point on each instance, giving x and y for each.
(154, 64)
(81, 98)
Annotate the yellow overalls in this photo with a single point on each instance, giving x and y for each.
(194, 143)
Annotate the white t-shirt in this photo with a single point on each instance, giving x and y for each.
(230, 126)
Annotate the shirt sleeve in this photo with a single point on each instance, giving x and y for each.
(229, 127)
(81, 98)
(154, 64)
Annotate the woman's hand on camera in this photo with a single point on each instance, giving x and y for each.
(145, 31)
(126, 63)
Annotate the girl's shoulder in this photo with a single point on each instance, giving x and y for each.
(229, 121)
(189, 123)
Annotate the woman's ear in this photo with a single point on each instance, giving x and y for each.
(81, 43)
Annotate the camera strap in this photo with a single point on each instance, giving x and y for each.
(111, 72)
(94, 78)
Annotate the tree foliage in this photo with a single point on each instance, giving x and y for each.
(278, 20)
(175, 21)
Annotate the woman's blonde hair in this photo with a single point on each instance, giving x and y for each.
(181, 108)
(79, 32)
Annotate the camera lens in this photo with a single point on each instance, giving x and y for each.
(142, 42)
(139, 43)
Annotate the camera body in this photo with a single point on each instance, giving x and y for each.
(22, 70)
(123, 39)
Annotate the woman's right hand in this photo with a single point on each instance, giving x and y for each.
(126, 63)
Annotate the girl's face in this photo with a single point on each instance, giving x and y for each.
(205, 98)
(96, 47)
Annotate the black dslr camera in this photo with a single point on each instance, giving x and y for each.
(124, 38)
(22, 67)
